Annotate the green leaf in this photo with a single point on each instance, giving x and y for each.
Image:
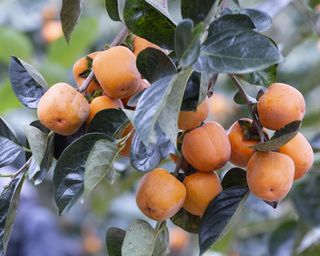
(142, 240)
(112, 9)
(191, 94)
(237, 51)
(68, 176)
(10, 147)
(27, 83)
(114, 240)
(69, 15)
(9, 199)
(99, 164)
(150, 21)
(153, 64)
(234, 177)
(280, 137)
(262, 21)
(263, 77)
(187, 221)
(196, 10)
(220, 215)
(161, 103)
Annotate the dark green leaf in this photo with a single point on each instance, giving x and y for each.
(114, 240)
(263, 78)
(237, 51)
(196, 10)
(280, 137)
(234, 177)
(220, 215)
(9, 199)
(27, 83)
(108, 121)
(187, 221)
(112, 9)
(153, 64)
(68, 176)
(238, 98)
(191, 94)
(262, 21)
(150, 21)
(69, 15)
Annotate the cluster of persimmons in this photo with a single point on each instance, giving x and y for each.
(206, 146)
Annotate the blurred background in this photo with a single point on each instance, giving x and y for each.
(30, 30)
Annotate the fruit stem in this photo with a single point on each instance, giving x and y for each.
(255, 120)
(117, 40)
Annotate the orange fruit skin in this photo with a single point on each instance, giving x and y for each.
(270, 175)
(143, 84)
(191, 119)
(51, 31)
(126, 150)
(62, 109)
(101, 103)
(240, 151)
(160, 195)
(139, 44)
(300, 151)
(116, 71)
(79, 67)
(202, 188)
(280, 105)
(178, 239)
(207, 148)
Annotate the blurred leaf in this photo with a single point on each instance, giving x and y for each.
(220, 215)
(68, 176)
(196, 10)
(14, 43)
(230, 21)
(222, 51)
(280, 137)
(69, 15)
(99, 163)
(142, 240)
(263, 78)
(8, 98)
(114, 240)
(112, 9)
(190, 99)
(151, 21)
(187, 221)
(234, 177)
(144, 158)
(153, 64)
(9, 199)
(27, 82)
(161, 103)
(315, 142)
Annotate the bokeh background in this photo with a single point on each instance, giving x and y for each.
(31, 30)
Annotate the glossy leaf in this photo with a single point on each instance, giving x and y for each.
(68, 176)
(151, 21)
(153, 64)
(262, 21)
(9, 200)
(262, 78)
(114, 240)
(280, 137)
(27, 82)
(220, 214)
(234, 177)
(112, 9)
(237, 51)
(196, 10)
(69, 15)
(187, 221)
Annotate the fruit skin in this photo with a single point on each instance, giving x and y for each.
(280, 105)
(191, 119)
(62, 109)
(160, 195)
(79, 67)
(139, 44)
(102, 102)
(300, 151)
(270, 175)
(202, 188)
(116, 71)
(207, 148)
(143, 84)
(240, 151)
(126, 150)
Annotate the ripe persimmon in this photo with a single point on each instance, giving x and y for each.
(143, 84)
(116, 71)
(270, 175)
(139, 44)
(202, 188)
(207, 148)
(160, 195)
(280, 105)
(63, 109)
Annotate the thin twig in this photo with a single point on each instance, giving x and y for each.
(255, 120)
(15, 174)
(117, 40)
